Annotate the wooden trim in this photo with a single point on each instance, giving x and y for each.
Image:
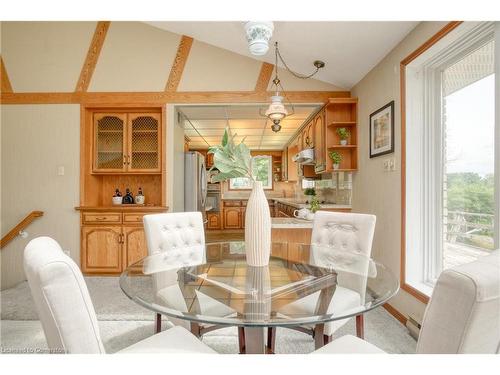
(92, 56)
(4, 77)
(408, 59)
(179, 63)
(450, 26)
(395, 313)
(14, 232)
(158, 98)
(265, 74)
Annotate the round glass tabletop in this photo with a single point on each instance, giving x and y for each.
(303, 284)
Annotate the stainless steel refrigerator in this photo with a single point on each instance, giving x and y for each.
(195, 183)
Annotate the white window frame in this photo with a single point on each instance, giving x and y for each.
(424, 151)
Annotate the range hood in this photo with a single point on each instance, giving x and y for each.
(305, 157)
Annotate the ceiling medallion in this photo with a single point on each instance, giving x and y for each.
(277, 110)
(258, 36)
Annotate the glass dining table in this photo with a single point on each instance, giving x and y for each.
(212, 284)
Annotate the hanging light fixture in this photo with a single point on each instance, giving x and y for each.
(258, 36)
(277, 110)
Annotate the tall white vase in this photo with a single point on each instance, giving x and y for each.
(257, 228)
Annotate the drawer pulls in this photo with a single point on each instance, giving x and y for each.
(121, 238)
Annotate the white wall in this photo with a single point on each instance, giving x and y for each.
(375, 191)
(35, 140)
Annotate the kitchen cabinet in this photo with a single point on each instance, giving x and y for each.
(232, 218)
(214, 220)
(320, 151)
(292, 167)
(284, 165)
(126, 142)
(308, 136)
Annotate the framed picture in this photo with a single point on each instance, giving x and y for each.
(382, 131)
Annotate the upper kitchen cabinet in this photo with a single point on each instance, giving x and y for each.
(126, 142)
(319, 130)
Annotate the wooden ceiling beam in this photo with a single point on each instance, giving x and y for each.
(92, 56)
(181, 57)
(4, 78)
(179, 97)
(265, 74)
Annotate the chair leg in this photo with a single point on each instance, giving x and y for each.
(327, 339)
(360, 326)
(241, 339)
(271, 338)
(158, 323)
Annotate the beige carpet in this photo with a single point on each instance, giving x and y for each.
(123, 322)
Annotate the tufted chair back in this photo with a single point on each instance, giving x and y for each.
(174, 240)
(463, 314)
(337, 232)
(178, 237)
(61, 298)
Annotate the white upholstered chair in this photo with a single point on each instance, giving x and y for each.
(463, 314)
(66, 312)
(336, 232)
(179, 240)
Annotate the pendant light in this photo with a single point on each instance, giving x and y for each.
(277, 110)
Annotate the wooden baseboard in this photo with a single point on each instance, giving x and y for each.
(395, 313)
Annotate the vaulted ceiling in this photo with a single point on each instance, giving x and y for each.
(350, 49)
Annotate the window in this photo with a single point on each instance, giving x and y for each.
(451, 184)
(261, 171)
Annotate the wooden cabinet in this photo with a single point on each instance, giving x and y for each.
(319, 142)
(209, 160)
(308, 136)
(292, 170)
(101, 249)
(135, 246)
(109, 247)
(284, 165)
(232, 218)
(126, 142)
(214, 220)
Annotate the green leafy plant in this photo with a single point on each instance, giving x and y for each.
(230, 159)
(335, 156)
(343, 133)
(314, 205)
(310, 191)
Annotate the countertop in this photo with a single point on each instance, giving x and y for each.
(297, 204)
(290, 223)
(293, 202)
(123, 207)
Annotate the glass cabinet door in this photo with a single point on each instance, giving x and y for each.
(144, 142)
(109, 142)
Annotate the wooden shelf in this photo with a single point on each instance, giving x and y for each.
(342, 146)
(342, 123)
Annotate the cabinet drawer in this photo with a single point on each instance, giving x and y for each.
(97, 217)
(232, 203)
(135, 217)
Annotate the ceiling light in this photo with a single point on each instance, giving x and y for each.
(258, 36)
(276, 110)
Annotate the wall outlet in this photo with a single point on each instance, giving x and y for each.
(386, 165)
(60, 170)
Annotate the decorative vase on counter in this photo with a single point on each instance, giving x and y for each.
(257, 227)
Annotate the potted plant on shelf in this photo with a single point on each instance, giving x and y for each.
(310, 192)
(343, 134)
(336, 159)
(235, 161)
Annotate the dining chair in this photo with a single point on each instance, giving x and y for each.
(462, 316)
(67, 314)
(179, 239)
(335, 233)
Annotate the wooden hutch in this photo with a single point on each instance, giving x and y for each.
(121, 147)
